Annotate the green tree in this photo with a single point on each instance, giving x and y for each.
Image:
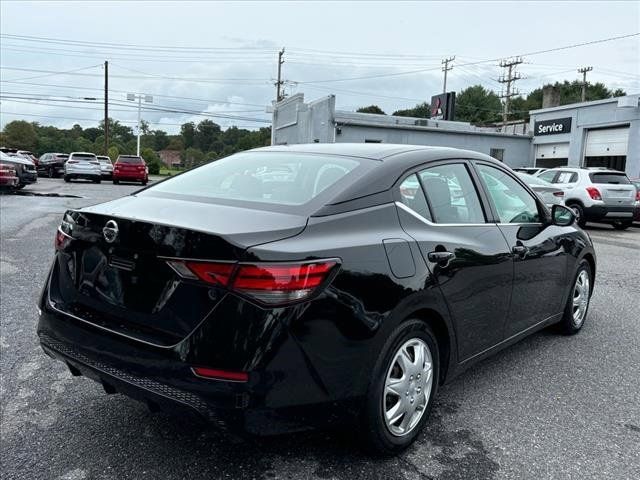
(160, 139)
(192, 157)
(421, 110)
(206, 133)
(371, 109)
(571, 92)
(188, 132)
(20, 134)
(152, 160)
(113, 153)
(477, 105)
(175, 143)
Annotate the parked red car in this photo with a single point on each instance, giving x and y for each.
(130, 168)
(636, 214)
(8, 176)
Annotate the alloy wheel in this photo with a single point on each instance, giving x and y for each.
(581, 292)
(407, 387)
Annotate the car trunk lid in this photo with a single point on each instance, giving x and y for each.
(615, 187)
(114, 272)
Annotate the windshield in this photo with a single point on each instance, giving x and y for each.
(104, 160)
(268, 178)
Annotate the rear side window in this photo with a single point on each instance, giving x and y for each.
(271, 178)
(567, 177)
(412, 196)
(130, 160)
(609, 177)
(451, 194)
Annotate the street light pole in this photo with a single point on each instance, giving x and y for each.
(139, 109)
(132, 97)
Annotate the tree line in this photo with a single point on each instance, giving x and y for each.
(197, 143)
(481, 106)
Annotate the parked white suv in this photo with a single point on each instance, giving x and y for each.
(82, 165)
(595, 195)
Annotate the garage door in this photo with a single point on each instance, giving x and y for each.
(549, 155)
(607, 148)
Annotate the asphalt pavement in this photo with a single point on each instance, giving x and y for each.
(550, 407)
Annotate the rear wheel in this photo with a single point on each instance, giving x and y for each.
(579, 211)
(401, 392)
(116, 182)
(622, 224)
(144, 182)
(67, 178)
(97, 181)
(577, 306)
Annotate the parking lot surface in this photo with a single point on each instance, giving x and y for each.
(549, 407)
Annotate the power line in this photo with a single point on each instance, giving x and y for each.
(50, 73)
(511, 78)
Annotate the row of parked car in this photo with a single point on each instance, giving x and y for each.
(20, 167)
(594, 194)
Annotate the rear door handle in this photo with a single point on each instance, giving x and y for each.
(519, 250)
(440, 257)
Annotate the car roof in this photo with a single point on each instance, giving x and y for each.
(392, 162)
(82, 153)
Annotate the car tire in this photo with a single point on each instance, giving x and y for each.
(51, 173)
(116, 182)
(622, 225)
(97, 181)
(572, 323)
(579, 211)
(67, 178)
(376, 426)
(20, 186)
(144, 183)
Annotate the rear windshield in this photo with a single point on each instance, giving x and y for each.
(62, 155)
(84, 157)
(104, 159)
(265, 178)
(609, 177)
(131, 160)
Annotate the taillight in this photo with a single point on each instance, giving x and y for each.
(271, 284)
(62, 240)
(638, 195)
(559, 193)
(216, 374)
(594, 193)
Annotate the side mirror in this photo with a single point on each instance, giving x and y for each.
(562, 216)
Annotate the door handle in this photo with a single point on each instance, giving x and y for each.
(440, 257)
(520, 250)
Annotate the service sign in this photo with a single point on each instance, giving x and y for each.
(552, 127)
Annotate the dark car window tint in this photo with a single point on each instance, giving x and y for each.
(452, 195)
(512, 201)
(548, 176)
(412, 196)
(610, 177)
(265, 177)
(84, 158)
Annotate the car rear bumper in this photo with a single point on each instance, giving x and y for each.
(130, 178)
(605, 213)
(8, 181)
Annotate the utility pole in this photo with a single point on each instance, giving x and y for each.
(445, 69)
(584, 71)
(511, 77)
(106, 108)
(280, 83)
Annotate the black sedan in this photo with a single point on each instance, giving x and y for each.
(289, 287)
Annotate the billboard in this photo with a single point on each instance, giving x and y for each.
(443, 106)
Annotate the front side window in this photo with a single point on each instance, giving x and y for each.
(513, 203)
(548, 176)
(451, 194)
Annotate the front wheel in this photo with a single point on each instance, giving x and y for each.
(577, 306)
(622, 225)
(67, 178)
(579, 212)
(402, 388)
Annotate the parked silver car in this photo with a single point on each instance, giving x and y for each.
(82, 165)
(550, 194)
(106, 167)
(596, 195)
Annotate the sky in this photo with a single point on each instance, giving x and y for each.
(218, 60)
